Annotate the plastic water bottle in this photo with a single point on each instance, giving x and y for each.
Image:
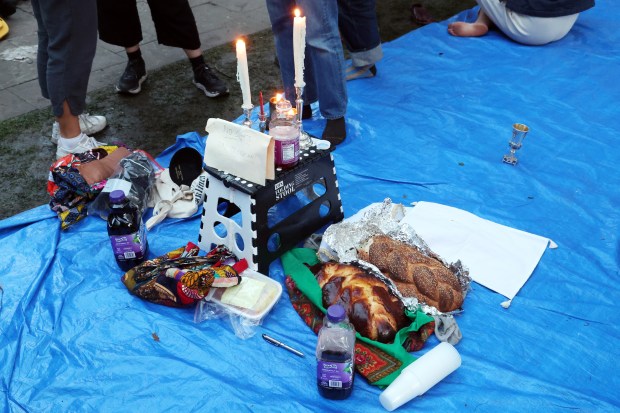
(126, 231)
(335, 354)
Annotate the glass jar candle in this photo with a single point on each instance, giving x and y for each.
(285, 132)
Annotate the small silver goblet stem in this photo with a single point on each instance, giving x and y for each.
(519, 131)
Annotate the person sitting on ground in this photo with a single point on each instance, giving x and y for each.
(531, 22)
(175, 25)
(65, 56)
(324, 69)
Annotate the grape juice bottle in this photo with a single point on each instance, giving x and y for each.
(126, 231)
(335, 354)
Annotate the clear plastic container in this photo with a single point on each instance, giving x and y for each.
(335, 355)
(252, 299)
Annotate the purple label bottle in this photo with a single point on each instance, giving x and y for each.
(335, 354)
(126, 231)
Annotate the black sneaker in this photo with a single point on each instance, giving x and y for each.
(209, 83)
(132, 78)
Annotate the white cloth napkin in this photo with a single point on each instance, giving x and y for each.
(498, 257)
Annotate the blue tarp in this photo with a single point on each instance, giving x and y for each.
(433, 125)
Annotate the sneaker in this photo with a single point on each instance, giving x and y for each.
(86, 143)
(89, 125)
(132, 78)
(209, 83)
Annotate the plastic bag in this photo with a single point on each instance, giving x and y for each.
(246, 305)
(135, 177)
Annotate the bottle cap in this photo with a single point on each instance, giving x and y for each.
(421, 375)
(336, 313)
(117, 196)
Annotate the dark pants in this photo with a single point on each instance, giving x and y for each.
(67, 32)
(357, 22)
(119, 23)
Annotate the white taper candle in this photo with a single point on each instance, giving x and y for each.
(299, 47)
(243, 76)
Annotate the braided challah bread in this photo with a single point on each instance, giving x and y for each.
(373, 310)
(413, 273)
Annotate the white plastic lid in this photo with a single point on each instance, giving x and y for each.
(252, 298)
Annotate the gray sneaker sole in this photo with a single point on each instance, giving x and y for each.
(132, 91)
(207, 92)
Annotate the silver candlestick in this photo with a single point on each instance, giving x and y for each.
(262, 122)
(248, 114)
(305, 141)
(519, 130)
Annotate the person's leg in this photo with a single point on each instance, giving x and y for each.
(119, 22)
(43, 41)
(68, 122)
(64, 62)
(281, 17)
(476, 29)
(357, 21)
(66, 51)
(87, 123)
(324, 44)
(538, 31)
(520, 28)
(134, 74)
(175, 26)
(205, 78)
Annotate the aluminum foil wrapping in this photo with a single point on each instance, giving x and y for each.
(341, 241)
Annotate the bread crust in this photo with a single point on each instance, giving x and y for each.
(373, 309)
(413, 273)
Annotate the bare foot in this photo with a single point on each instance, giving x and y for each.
(462, 29)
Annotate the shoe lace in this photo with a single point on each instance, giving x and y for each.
(206, 73)
(132, 69)
(85, 118)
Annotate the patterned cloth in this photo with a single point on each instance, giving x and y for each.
(379, 363)
(180, 278)
(68, 189)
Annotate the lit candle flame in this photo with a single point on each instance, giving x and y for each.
(240, 42)
(297, 13)
(278, 97)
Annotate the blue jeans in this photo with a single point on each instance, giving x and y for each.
(357, 20)
(324, 63)
(67, 32)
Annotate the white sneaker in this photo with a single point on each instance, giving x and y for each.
(85, 143)
(89, 125)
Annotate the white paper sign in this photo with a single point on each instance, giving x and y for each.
(499, 257)
(240, 151)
